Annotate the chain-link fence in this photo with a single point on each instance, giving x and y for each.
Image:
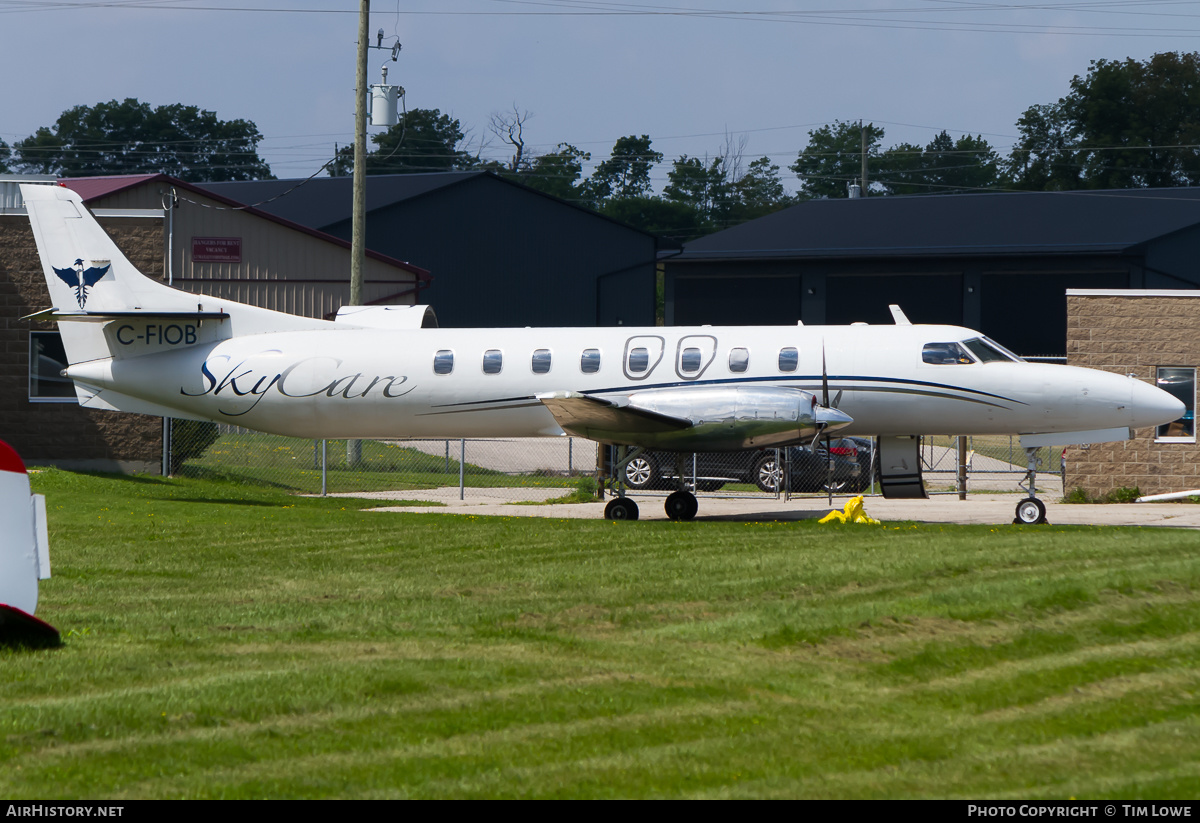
(844, 465)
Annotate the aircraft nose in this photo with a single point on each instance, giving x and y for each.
(832, 419)
(1151, 406)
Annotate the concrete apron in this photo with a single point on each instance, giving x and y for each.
(995, 509)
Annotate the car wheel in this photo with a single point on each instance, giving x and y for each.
(767, 473)
(641, 473)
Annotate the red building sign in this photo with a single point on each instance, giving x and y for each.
(217, 249)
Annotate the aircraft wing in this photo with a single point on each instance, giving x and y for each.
(586, 416)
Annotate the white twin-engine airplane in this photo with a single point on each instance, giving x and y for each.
(136, 345)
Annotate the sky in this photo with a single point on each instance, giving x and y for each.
(691, 74)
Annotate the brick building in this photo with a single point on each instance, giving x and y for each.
(1154, 334)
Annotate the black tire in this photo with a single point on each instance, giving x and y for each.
(621, 508)
(681, 506)
(642, 473)
(1030, 512)
(767, 473)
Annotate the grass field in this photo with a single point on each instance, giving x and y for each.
(233, 641)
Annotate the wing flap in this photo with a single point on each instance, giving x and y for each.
(579, 414)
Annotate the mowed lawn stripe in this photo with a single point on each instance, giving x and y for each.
(231, 640)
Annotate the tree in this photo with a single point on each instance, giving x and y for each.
(1127, 124)
(626, 173)
(702, 185)
(555, 172)
(757, 193)
(424, 140)
(510, 128)
(1044, 158)
(5, 152)
(945, 165)
(832, 160)
(130, 137)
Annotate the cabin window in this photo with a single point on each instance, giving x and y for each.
(945, 354)
(589, 361)
(443, 362)
(47, 359)
(988, 352)
(689, 360)
(493, 361)
(739, 360)
(1179, 382)
(541, 361)
(639, 360)
(789, 359)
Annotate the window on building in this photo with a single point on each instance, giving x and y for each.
(789, 359)
(443, 362)
(739, 360)
(541, 361)
(1179, 382)
(47, 359)
(493, 361)
(589, 361)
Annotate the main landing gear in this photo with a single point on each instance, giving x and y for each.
(1030, 511)
(680, 505)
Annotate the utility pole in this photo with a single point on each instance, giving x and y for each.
(358, 239)
(863, 132)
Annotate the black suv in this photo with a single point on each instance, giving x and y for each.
(810, 471)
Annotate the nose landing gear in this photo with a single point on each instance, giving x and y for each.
(1030, 511)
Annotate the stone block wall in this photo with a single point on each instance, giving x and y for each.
(1133, 334)
(63, 434)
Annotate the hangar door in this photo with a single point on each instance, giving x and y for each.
(1027, 312)
(924, 298)
(737, 301)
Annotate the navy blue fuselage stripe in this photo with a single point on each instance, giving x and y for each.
(774, 379)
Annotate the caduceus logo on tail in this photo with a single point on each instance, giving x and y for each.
(81, 279)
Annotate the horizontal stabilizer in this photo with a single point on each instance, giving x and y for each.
(579, 414)
(105, 316)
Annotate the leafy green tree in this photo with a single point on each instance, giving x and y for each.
(656, 215)
(1126, 124)
(626, 173)
(424, 140)
(758, 192)
(945, 165)
(557, 172)
(1138, 123)
(5, 152)
(833, 158)
(1045, 156)
(902, 169)
(703, 186)
(130, 137)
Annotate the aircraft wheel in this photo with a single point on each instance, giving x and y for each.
(1031, 511)
(682, 506)
(621, 508)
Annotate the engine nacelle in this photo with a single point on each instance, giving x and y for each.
(731, 419)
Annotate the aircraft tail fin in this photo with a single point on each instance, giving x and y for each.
(84, 269)
(24, 555)
(91, 280)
